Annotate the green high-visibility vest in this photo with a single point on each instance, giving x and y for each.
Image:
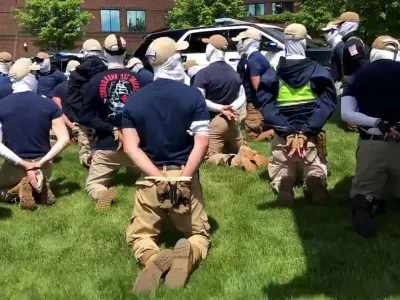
(289, 96)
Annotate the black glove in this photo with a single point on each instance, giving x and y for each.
(383, 126)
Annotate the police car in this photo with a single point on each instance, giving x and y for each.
(272, 43)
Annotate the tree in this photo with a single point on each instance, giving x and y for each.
(190, 13)
(378, 17)
(57, 24)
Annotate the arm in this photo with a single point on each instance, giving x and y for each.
(140, 159)
(74, 97)
(61, 132)
(240, 100)
(256, 67)
(322, 85)
(350, 114)
(255, 81)
(200, 129)
(7, 153)
(57, 100)
(266, 102)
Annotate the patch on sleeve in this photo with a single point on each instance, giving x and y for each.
(353, 50)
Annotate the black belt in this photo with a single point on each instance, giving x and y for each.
(170, 168)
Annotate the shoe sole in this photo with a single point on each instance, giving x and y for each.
(248, 165)
(286, 194)
(149, 278)
(247, 152)
(105, 200)
(26, 196)
(364, 224)
(180, 268)
(261, 161)
(318, 193)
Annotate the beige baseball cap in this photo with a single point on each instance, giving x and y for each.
(330, 26)
(5, 57)
(295, 32)
(190, 63)
(387, 43)
(21, 68)
(132, 62)
(348, 17)
(248, 34)
(114, 44)
(72, 64)
(218, 41)
(91, 45)
(42, 55)
(161, 49)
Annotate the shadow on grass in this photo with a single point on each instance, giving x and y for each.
(5, 213)
(127, 178)
(340, 264)
(61, 186)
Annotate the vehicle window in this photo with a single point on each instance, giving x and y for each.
(233, 33)
(196, 44)
(141, 51)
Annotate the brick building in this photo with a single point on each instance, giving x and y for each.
(131, 19)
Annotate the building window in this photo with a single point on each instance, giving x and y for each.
(280, 7)
(136, 20)
(110, 20)
(257, 9)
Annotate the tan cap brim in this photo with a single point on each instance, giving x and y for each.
(35, 67)
(205, 41)
(182, 46)
(337, 22)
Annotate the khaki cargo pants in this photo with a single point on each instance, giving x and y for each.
(225, 140)
(11, 175)
(105, 164)
(281, 166)
(148, 218)
(377, 162)
(85, 149)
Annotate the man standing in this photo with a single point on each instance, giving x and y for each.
(251, 67)
(48, 76)
(297, 101)
(333, 37)
(369, 101)
(27, 134)
(5, 84)
(224, 93)
(165, 129)
(136, 66)
(103, 100)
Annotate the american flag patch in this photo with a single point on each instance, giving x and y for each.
(353, 50)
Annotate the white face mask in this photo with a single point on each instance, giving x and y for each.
(172, 69)
(5, 67)
(45, 66)
(27, 84)
(239, 47)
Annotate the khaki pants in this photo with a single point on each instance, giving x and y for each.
(148, 218)
(11, 175)
(377, 163)
(281, 166)
(225, 137)
(253, 122)
(84, 142)
(105, 164)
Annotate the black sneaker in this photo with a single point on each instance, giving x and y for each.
(363, 221)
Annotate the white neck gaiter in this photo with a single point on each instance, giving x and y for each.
(27, 84)
(172, 69)
(377, 54)
(348, 27)
(398, 56)
(5, 67)
(213, 54)
(333, 38)
(45, 66)
(87, 54)
(250, 46)
(115, 61)
(295, 49)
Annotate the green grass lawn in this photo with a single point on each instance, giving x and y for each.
(258, 250)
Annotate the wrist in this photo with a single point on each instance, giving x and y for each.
(376, 124)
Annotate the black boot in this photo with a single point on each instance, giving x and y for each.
(362, 215)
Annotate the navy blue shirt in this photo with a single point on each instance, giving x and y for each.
(103, 100)
(5, 86)
(48, 81)
(27, 119)
(220, 82)
(375, 87)
(162, 113)
(255, 65)
(61, 91)
(336, 62)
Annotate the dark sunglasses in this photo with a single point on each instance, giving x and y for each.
(37, 60)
